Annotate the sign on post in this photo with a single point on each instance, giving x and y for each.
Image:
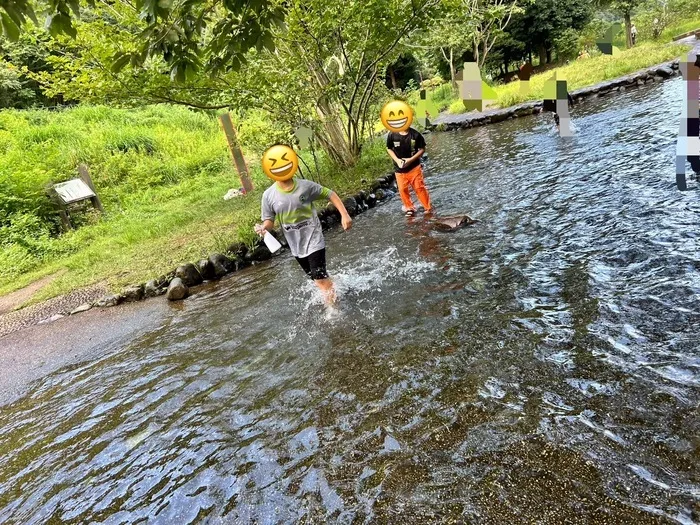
(236, 152)
(74, 191)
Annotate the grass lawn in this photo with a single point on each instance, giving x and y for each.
(578, 74)
(161, 173)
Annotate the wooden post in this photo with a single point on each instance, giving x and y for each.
(84, 173)
(65, 219)
(236, 152)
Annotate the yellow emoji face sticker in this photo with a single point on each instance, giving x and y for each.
(280, 162)
(397, 116)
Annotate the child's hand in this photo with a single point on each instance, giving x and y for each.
(346, 221)
(260, 229)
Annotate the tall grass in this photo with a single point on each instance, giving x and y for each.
(161, 173)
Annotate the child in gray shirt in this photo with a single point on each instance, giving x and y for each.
(290, 201)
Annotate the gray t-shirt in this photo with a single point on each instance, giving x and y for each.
(296, 213)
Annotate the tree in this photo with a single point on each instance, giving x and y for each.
(188, 35)
(344, 48)
(543, 20)
(489, 18)
(656, 15)
(507, 50)
(323, 72)
(625, 9)
(468, 25)
(449, 34)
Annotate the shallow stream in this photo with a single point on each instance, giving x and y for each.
(541, 366)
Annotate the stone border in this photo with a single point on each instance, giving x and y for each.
(176, 284)
(658, 73)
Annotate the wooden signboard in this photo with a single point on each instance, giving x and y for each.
(72, 192)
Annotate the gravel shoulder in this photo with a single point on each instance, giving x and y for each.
(14, 320)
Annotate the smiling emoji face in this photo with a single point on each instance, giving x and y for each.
(397, 116)
(280, 162)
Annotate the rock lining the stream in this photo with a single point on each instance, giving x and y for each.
(153, 289)
(109, 300)
(176, 284)
(378, 190)
(205, 269)
(660, 72)
(177, 290)
(221, 265)
(188, 274)
(133, 293)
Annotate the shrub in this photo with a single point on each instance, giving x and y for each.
(257, 131)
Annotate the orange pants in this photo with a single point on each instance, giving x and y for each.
(413, 178)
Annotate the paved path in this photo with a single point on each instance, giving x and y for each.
(691, 40)
(36, 351)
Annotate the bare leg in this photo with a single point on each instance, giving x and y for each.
(328, 291)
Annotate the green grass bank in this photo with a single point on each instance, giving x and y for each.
(578, 73)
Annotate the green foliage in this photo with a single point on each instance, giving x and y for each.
(19, 60)
(662, 20)
(544, 20)
(12, 93)
(593, 33)
(186, 35)
(566, 44)
(257, 132)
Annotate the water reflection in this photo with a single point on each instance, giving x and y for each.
(540, 366)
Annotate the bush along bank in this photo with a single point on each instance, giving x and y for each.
(659, 73)
(179, 283)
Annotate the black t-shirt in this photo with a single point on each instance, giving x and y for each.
(405, 146)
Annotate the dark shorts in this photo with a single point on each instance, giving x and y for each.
(314, 264)
(556, 119)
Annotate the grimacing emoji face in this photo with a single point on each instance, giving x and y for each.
(280, 162)
(397, 116)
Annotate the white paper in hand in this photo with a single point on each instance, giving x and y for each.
(272, 244)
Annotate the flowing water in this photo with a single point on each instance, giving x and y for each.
(542, 366)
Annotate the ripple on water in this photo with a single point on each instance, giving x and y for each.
(540, 366)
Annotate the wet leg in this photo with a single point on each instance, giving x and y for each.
(328, 291)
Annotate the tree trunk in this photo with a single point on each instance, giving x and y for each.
(334, 141)
(543, 55)
(392, 76)
(453, 73)
(549, 55)
(628, 28)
